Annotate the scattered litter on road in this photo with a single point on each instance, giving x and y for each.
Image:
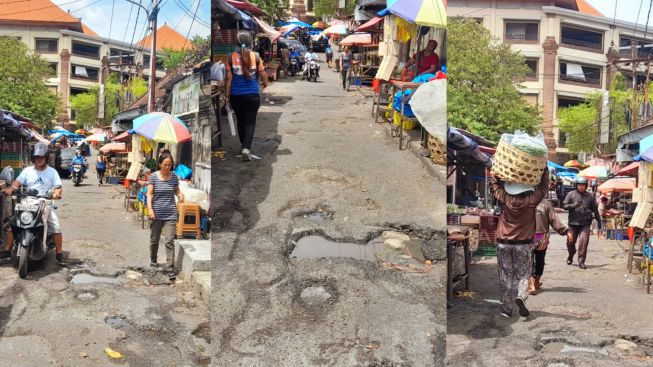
(495, 301)
(83, 354)
(315, 295)
(112, 353)
(467, 294)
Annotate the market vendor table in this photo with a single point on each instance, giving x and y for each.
(453, 242)
(402, 87)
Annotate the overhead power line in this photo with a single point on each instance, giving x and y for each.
(193, 22)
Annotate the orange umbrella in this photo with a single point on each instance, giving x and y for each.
(618, 184)
(114, 147)
(357, 39)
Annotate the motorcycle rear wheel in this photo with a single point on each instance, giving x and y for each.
(22, 262)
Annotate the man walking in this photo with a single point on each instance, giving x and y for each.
(582, 209)
(515, 232)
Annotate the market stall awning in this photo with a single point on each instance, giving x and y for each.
(223, 7)
(430, 13)
(600, 172)
(618, 184)
(114, 147)
(370, 24)
(629, 170)
(288, 29)
(124, 135)
(246, 6)
(272, 33)
(338, 29)
(357, 39)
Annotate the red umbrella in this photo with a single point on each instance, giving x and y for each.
(618, 184)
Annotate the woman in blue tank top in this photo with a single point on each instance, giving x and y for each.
(244, 67)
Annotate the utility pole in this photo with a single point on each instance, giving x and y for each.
(152, 17)
(634, 112)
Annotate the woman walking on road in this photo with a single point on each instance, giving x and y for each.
(345, 66)
(101, 168)
(161, 190)
(244, 67)
(545, 217)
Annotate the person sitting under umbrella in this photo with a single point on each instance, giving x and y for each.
(427, 60)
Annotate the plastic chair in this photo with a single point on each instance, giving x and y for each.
(189, 220)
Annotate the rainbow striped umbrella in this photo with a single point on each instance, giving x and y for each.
(430, 13)
(162, 127)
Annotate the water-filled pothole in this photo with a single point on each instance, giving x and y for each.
(93, 279)
(316, 247)
(115, 321)
(562, 347)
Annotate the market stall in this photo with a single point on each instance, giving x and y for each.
(409, 29)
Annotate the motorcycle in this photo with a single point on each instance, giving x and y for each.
(294, 66)
(29, 227)
(313, 70)
(77, 170)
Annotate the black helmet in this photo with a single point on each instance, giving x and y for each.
(581, 181)
(39, 150)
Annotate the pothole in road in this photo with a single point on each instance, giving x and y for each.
(320, 215)
(82, 279)
(316, 247)
(277, 100)
(556, 347)
(115, 321)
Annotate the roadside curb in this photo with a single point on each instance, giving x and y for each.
(193, 262)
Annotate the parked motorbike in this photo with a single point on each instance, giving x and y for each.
(294, 66)
(29, 227)
(313, 70)
(77, 173)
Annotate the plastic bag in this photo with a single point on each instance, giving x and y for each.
(533, 145)
(231, 116)
(183, 172)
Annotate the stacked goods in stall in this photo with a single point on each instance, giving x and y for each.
(643, 196)
(520, 158)
(11, 155)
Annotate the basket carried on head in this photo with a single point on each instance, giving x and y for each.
(514, 165)
(438, 151)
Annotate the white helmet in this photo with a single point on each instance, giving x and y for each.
(40, 150)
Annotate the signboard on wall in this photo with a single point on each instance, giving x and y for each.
(186, 96)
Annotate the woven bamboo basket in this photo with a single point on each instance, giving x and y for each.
(438, 151)
(513, 165)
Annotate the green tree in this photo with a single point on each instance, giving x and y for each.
(275, 9)
(482, 94)
(22, 87)
(580, 123)
(197, 52)
(85, 104)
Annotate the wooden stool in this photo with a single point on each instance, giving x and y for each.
(189, 220)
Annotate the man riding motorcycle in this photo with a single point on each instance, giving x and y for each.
(79, 159)
(310, 55)
(294, 54)
(42, 178)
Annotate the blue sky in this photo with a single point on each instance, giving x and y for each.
(97, 15)
(626, 9)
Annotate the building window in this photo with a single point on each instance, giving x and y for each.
(582, 74)
(85, 72)
(562, 139)
(533, 73)
(54, 67)
(86, 50)
(74, 92)
(159, 64)
(581, 38)
(146, 61)
(644, 48)
(521, 32)
(46, 45)
(118, 56)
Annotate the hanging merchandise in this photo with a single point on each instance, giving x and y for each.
(405, 30)
(147, 146)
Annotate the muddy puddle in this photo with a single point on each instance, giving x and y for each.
(316, 247)
(82, 279)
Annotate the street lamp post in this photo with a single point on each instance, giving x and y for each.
(152, 17)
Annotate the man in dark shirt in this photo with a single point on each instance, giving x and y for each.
(515, 233)
(582, 207)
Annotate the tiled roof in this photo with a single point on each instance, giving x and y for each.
(87, 30)
(166, 37)
(586, 8)
(35, 11)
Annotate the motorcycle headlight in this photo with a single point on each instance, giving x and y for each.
(26, 217)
